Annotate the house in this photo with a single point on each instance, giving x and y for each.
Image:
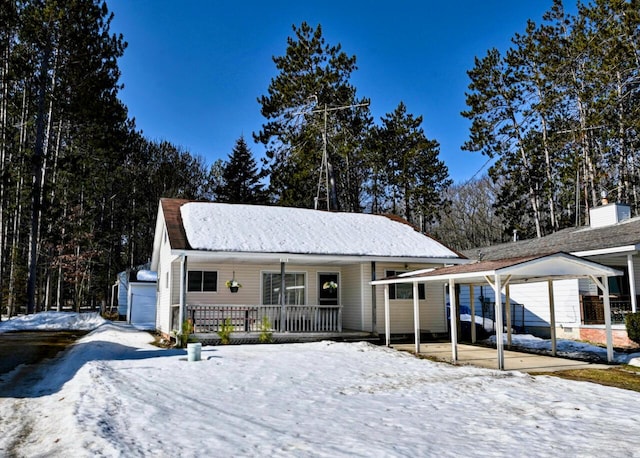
(611, 239)
(288, 270)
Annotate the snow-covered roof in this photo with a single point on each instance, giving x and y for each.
(147, 275)
(223, 227)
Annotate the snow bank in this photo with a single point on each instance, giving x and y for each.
(565, 348)
(53, 321)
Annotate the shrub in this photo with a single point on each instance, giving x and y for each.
(185, 336)
(632, 322)
(225, 331)
(266, 336)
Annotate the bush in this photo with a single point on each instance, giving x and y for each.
(632, 322)
(225, 331)
(266, 336)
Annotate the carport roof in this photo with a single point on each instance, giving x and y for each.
(554, 266)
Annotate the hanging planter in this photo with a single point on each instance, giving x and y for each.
(233, 284)
(330, 285)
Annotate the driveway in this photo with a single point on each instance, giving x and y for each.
(31, 347)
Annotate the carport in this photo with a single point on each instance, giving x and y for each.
(498, 275)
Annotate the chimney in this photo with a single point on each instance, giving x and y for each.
(608, 214)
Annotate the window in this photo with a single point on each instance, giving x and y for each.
(619, 286)
(404, 291)
(198, 280)
(294, 288)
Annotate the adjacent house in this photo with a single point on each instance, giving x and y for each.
(612, 239)
(289, 270)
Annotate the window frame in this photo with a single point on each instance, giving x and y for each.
(263, 284)
(422, 294)
(203, 281)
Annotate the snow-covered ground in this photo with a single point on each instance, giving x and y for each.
(114, 394)
(567, 348)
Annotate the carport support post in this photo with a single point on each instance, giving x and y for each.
(499, 325)
(607, 318)
(552, 318)
(387, 319)
(453, 322)
(507, 304)
(632, 283)
(416, 316)
(473, 314)
(603, 284)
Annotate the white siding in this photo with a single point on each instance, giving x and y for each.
(164, 298)
(432, 309)
(351, 296)
(530, 302)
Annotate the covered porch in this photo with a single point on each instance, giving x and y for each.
(209, 318)
(499, 275)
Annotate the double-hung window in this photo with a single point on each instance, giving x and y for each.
(295, 286)
(202, 281)
(403, 291)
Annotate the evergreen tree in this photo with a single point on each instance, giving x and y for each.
(306, 116)
(409, 177)
(240, 178)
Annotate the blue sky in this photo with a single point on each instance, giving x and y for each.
(194, 69)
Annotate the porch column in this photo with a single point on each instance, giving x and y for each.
(387, 319)
(374, 311)
(416, 316)
(507, 304)
(632, 283)
(472, 305)
(453, 322)
(552, 317)
(499, 324)
(607, 318)
(283, 297)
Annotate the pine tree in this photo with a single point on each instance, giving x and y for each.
(410, 178)
(240, 178)
(313, 79)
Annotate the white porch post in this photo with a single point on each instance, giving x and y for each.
(416, 316)
(632, 283)
(387, 319)
(473, 314)
(453, 322)
(499, 324)
(607, 318)
(552, 317)
(507, 302)
(283, 297)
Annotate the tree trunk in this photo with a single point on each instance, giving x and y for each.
(36, 192)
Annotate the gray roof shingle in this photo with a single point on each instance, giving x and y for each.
(569, 240)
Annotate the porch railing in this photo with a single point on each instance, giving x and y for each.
(255, 318)
(592, 309)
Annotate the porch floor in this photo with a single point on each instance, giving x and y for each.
(488, 358)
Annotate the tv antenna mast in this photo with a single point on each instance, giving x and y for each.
(326, 170)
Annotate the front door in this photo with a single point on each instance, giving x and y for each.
(328, 288)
